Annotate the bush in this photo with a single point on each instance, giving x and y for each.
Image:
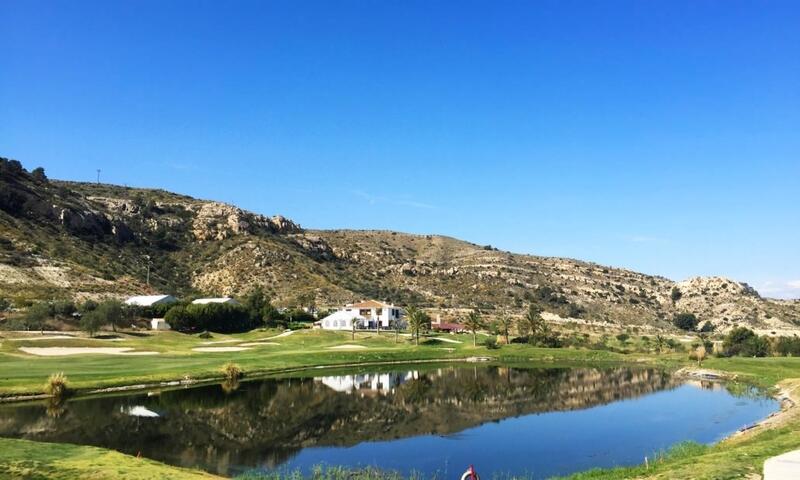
(56, 385)
(213, 317)
(491, 343)
(675, 294)
(744, 342)
(232, 371)
(4, 305)
(787, 346)
(685, 321)
(623, 337)
(707, 327)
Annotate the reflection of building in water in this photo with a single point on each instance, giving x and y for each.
(706, 384)
(374, 382)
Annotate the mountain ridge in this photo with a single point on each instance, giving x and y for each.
(83, 240)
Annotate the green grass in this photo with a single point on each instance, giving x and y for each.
(21, 373)
(35, 460)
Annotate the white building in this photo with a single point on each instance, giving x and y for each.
(159, 324)
(150, 300)
(370, 314)
(204, 301)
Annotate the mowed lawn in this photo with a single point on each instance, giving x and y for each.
(22, 373)
(36, 460)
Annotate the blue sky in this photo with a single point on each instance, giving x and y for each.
(658, 136)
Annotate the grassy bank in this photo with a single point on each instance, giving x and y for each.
(35, 460)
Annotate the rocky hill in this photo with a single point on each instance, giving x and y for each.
(78, 240)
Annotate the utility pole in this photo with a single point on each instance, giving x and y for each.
(98, 176)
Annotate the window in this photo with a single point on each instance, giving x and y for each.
(379, 312)
(365, 312)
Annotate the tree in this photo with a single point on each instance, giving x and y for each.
(418, 321)
(397, 324)
(623, 338)
(36, 316)
(91, 322)
(531, 322)
(675, 294)
(4, 304)
(660, 340)
(111, 312)
(504, 324)
(474, 322)
(685, 321)
(38, 175)
(743, 341)
(255, 302)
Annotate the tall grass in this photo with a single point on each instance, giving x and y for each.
(57, 385)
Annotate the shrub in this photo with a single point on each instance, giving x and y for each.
(56, 385)
(787, 346)
(4, 305)
(685, 321)
(707, 327)
(744, 342)
(623, 337)
(675, 294)
(232, 371)
(213, 317)
(491, 343)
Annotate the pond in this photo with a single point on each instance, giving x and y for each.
(433, 420)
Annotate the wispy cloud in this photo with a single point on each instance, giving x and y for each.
(375, 199)
(780, 289)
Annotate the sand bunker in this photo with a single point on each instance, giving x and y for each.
(220, 341)
(46, 337)
(284, 334)
(347, 347)
(447, 340)
(256, 344)
(60, 351)
(219, 349)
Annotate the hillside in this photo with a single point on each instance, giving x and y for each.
(80, 240)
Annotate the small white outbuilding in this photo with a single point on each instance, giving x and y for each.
(159, 324)
(150, 300)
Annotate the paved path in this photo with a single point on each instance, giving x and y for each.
(783, 467)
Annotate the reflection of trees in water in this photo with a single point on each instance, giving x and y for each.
(266, 422)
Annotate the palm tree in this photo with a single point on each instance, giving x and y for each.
(417, 321)
(504, 323)
(474, 322)
(659, 343)
(532, 323)
(355, 322)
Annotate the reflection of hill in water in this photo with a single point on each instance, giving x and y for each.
(265, 422)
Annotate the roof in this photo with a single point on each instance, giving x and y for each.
(203, 301)
(447, 326)
(370, 304)
(148, 300)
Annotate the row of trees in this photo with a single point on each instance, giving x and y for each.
(93, 315)
(531, 328)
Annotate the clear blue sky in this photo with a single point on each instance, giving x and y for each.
(660, 136)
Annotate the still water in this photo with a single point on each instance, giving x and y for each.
(435, 421)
